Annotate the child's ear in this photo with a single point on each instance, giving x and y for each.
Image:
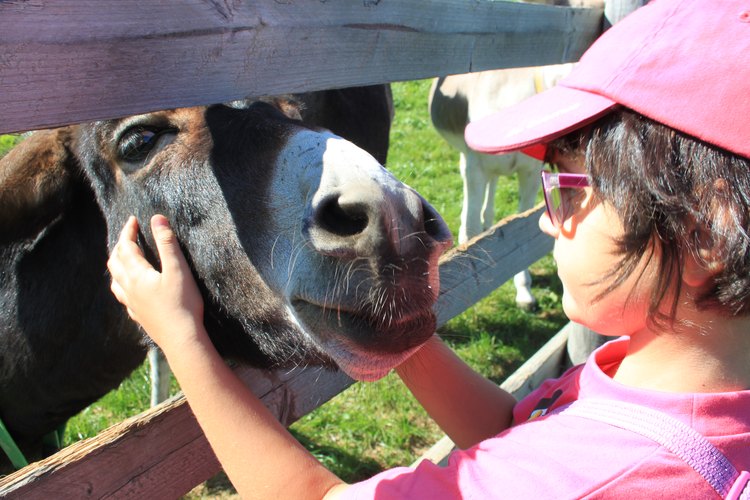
(702, 261)
(705, 259)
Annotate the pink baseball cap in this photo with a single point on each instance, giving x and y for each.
(683, 63)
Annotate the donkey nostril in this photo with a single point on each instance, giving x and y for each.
(434, 225)
(342, 218)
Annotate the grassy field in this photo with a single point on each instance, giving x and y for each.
(378, 425)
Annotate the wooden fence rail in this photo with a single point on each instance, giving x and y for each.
(68, 61)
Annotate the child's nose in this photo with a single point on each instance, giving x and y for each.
(546, 225)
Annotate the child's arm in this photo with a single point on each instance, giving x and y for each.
(260, 457)
(466, 405)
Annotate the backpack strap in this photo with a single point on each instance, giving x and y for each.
(679, 438)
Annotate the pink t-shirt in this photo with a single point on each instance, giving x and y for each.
(563, 456)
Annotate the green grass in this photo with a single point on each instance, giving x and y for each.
(373, 426)
(7, 142)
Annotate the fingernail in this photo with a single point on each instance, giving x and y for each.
(160, 221)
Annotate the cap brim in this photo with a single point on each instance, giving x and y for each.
(536, 121)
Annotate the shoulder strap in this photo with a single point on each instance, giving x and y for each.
(677, 437)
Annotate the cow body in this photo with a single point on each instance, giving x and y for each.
(457, 100)
(305, 249)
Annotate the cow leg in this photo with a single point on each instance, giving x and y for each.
(529, 182)
(475, 187)
(488, 210)
(160, 376)
(524, 299)
(522, 281)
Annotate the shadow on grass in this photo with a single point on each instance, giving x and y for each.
(350, 468)
(216, 488)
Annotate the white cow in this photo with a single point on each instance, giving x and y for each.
(455, 101)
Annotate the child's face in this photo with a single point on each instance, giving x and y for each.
(585, 252)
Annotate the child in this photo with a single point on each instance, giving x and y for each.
(650, 210)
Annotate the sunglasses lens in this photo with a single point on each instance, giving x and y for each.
(555, 205)
(561, 201)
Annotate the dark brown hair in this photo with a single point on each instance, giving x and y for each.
(673, 193)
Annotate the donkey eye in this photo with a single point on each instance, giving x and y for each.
(137, 143)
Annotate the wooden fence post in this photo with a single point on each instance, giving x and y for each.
(614, 10)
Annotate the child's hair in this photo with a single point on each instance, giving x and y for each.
(675, 195)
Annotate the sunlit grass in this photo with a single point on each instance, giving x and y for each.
(7, 142)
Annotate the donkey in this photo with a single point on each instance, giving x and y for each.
(306, 250)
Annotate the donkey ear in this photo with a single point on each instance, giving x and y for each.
(36, 180)
(288, 105)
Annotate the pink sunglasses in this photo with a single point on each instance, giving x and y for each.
(558, 194)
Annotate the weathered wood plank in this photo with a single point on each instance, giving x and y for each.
(162, 453)
(546, 363)
(471, 272)
(97, 59)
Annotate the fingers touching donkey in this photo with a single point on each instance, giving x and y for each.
(166, 304)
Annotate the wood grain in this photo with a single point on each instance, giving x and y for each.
(69, 61)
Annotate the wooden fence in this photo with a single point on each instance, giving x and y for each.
(68, 61)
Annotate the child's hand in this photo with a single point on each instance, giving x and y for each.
(167, 305)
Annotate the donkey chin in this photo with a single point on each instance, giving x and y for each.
(365, 347)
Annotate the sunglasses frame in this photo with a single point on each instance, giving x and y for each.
(557, 180)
